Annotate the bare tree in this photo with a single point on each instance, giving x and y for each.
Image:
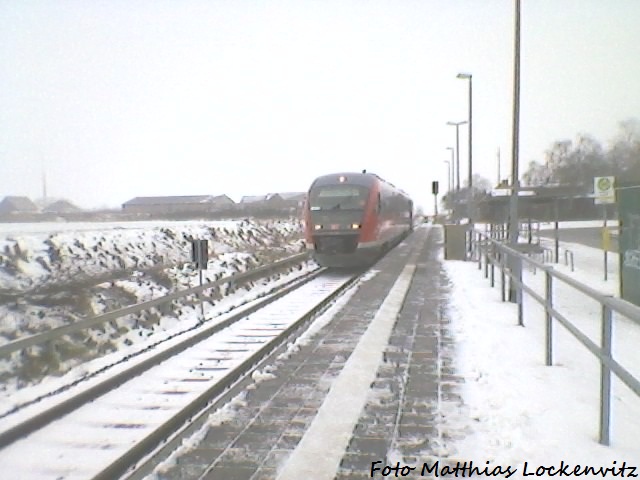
(576, 163)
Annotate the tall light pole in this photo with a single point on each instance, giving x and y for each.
(448, 175)
(468, 76)
(515, 183)
(457, 125)
(451, 149)
(516, 266)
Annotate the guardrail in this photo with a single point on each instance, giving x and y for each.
(53, 334)
(496, 254)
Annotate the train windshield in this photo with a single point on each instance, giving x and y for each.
(338, 197)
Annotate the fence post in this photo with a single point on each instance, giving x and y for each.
(473, 248)
(520, 294)
(568, 254)
(493, 260)
(486, 258)
(502, 282)
(549, 317)
(605, 377)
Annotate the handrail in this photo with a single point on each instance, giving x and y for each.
(509, 261)
(625, 308)
(22, 343)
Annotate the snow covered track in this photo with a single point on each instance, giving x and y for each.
(102, 439)
(67, 397)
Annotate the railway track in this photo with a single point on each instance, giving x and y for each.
(116, 421)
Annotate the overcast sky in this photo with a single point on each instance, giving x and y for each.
(117, 99)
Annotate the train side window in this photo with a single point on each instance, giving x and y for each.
(379, 207)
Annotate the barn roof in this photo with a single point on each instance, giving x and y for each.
(172, 200)
(61, 206)
(19, 204)
(253, 198)
(293, 195)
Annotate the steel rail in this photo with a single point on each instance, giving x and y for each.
(141, 459)
(55, 333)
(45, 417)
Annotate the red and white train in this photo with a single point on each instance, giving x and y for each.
(351, 219)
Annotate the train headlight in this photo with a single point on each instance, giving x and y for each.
(355, 226)
(317, 227)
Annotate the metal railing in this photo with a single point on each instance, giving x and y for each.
(493, 253)
(568, 258)
(56, 333)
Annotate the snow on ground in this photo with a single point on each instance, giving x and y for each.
(58, 227)
(55, 274)
(578, 224)
(514, 409)
(32, 256)
(129, 349)
(234, 407)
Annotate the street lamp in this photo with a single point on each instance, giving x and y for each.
(470, 205)
(468, 76)
(515, 136)
(515, 264)
(449, 165)
(457, 125)
(451, 149)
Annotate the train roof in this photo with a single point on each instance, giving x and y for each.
(366, 179)
(358, 178)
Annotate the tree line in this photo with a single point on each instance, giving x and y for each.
(576, 163)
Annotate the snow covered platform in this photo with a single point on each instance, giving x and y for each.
(423, 364)
(363, 385)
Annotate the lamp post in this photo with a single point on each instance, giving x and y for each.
(515, 183)
(516, 266)
(448, 175)
(457, 125)
(449, 186)
(451, 149)
(468, 76)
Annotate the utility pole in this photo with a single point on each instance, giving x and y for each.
(516, 266)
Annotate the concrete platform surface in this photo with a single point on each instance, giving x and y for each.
(360, 394)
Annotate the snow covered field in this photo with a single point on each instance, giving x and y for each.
(37, 254)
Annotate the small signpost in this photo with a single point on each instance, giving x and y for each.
(434, 190)
(200, 256)
(604, 193)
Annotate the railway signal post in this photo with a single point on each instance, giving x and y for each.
(200, 256)
(434, 190)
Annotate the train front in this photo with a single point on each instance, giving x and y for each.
(340, 224)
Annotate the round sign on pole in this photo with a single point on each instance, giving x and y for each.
(604, 190)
